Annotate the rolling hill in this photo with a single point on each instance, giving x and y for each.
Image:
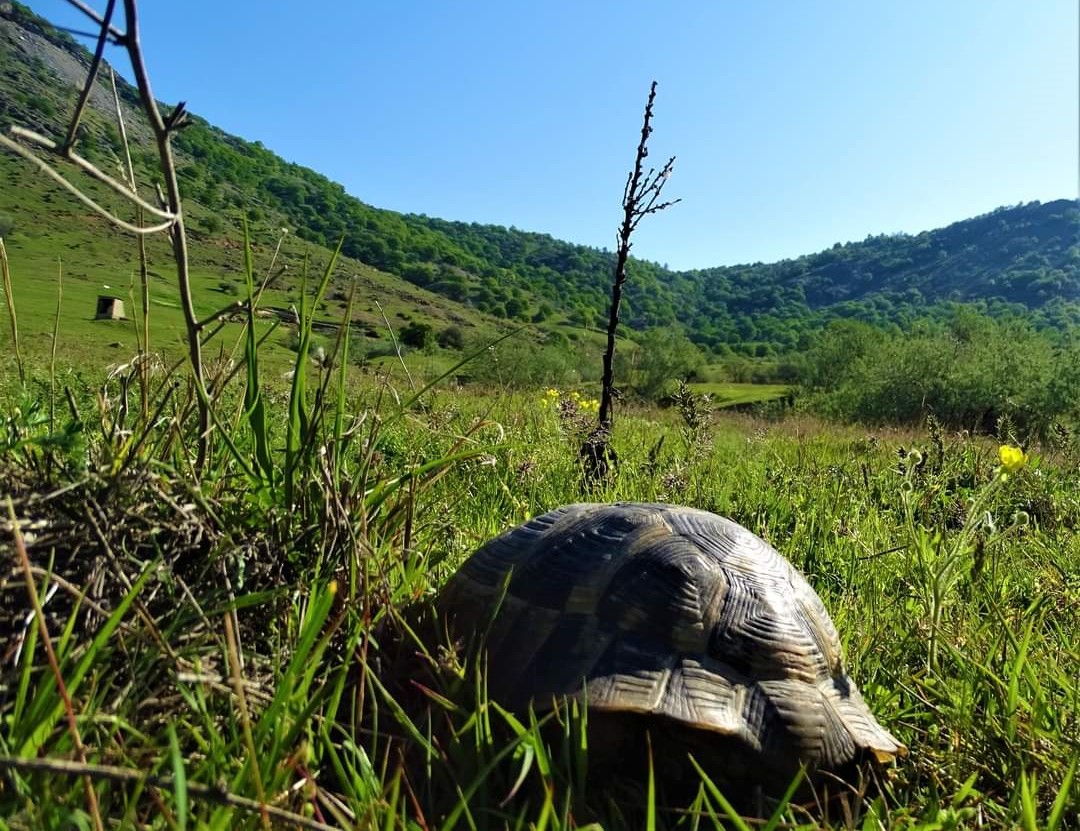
(1020, 259)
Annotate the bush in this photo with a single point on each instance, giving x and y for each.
(520, 362)
(417, 335)
(661, 359)
(7, 225)
(452, 337)
(970, 374)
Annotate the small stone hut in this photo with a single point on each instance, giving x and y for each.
(109, 308)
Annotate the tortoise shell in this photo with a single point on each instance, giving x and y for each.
(673, 613)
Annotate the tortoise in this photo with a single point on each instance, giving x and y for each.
(670, 621)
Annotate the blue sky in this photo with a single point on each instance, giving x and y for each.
(795, 124)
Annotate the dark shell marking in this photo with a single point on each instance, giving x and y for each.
(671, 612)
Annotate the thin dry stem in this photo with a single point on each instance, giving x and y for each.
(640, 198)
(18, 149)
(162, 130)
(55, 339)
(91, 76)
(112, 773)
(89, 167)
(397, 347)
(245, 718)
(144, 271)
(5, 272)
(54, 664)
(114, 33)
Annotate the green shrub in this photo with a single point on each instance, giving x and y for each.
(970, 374)
(659, 360)
(417, 335)
(452, 337)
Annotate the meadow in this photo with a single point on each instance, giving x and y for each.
(201, 648)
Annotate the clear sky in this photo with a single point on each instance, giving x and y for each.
(795, 124)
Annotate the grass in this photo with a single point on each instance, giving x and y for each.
(208, 630)
(734, 395)
(96, 256)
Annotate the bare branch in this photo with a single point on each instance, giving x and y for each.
(116, 34)
(233, 308)
(91, 76)
(178, 234)
(641, 197)
(171, 211)
(78, 194)
(121, 188)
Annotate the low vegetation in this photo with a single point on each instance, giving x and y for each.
(208, 629)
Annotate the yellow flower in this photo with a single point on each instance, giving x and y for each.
(552, 393)
(1012, 458)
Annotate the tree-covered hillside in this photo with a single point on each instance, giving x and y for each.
(1025, 257)
(1028, 255)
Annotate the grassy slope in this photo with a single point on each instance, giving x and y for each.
(50, 226)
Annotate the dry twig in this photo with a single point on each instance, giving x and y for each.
(641, 197)
(137, 777)
(162, 128)
(54, 665)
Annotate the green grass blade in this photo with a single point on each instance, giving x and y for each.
(342, 357)
(33, 743)
(298, 421)
(728, 809)
(650, 790)
(1028, 800)
(179, 779)
(254, 406)
(777, 816)
(1064, 797)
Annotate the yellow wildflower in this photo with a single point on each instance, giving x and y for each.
(552, 393)
(1012, 458)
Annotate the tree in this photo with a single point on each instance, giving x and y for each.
(516, 308)
(664, 357)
